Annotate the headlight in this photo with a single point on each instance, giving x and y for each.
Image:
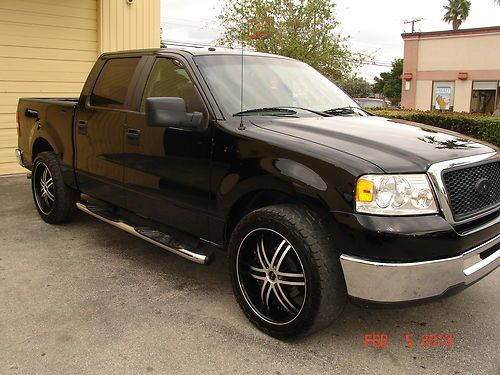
(408, 194)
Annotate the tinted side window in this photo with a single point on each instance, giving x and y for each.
(168, 78)
(113, 83)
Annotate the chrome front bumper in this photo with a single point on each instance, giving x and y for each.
(402, 282)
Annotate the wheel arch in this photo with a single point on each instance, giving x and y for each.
(45, 136)
(40, 145)
(256, 199)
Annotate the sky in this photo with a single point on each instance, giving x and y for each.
(372, 27)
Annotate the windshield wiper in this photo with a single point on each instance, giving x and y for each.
(340, 111)
(268, 110)
(323, 114)
(286, 110)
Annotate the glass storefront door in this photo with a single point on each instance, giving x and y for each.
(484, 96)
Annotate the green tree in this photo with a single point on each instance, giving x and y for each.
(389, 83)
(301, 29)
(355, 86)
(457, 12)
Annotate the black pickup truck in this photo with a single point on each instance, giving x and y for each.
(312, 198)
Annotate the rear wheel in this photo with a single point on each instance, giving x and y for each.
(54, 200)
(285, 271)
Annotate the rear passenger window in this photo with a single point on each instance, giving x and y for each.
(113, 83)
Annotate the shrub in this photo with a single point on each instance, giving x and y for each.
(486, 128)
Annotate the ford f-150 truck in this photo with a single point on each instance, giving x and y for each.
(313, 199)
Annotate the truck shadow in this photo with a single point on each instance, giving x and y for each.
(437, 316)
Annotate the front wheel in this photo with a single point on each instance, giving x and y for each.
(54, 200)
(285, 271)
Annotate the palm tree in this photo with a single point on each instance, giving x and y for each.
(457, 12)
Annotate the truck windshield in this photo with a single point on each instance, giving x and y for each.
(270, 82)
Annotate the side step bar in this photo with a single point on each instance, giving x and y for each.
(163, 240)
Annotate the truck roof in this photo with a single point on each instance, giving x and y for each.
(194, 51)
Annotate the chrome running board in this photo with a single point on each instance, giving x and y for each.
(160, 239)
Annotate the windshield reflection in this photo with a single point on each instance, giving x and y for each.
(269, 82)
(451, 144)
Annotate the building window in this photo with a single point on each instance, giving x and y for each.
(484, 96)
(443, 96)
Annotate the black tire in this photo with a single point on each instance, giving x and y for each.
(291, 305)
(54, 200)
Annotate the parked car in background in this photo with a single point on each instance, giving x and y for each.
(371, 103)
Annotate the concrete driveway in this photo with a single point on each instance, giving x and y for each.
(86, 298)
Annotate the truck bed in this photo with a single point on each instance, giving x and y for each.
(50, 117)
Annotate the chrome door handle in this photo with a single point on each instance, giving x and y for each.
(133, 136)
(82, 126)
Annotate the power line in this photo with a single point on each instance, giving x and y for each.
(413, 21)
(180, 43)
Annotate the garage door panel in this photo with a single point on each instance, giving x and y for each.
(47, 31)
(10, 124)
(5, 109)
(11, 99)
(46, 53)
(7, 154)
(40, 87)
(44, 42)
(35, 76)
(34, 20)
(45, 7)
(8, 137)
(8, 117)
(47, 48)
(40, 65)
(73, 4)
(11, 168)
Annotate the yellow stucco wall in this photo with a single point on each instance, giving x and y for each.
(47, 48)
(125, 26)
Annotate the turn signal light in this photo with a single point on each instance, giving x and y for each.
(365, 190)
(18, 126)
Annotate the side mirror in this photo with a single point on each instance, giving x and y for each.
(171, 113)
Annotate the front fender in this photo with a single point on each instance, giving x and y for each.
(278, 175)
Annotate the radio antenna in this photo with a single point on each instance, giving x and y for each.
(242, 127)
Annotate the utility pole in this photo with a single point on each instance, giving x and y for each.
(413, 21)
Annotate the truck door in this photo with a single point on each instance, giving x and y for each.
(99, 132)
(167, 170)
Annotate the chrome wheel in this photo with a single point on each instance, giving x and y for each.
(44, 188)
(271, 276)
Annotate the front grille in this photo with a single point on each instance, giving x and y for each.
(468, 190)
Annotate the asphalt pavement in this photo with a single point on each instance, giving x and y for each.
(87, 298)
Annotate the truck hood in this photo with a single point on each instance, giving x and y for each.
(395, 146)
